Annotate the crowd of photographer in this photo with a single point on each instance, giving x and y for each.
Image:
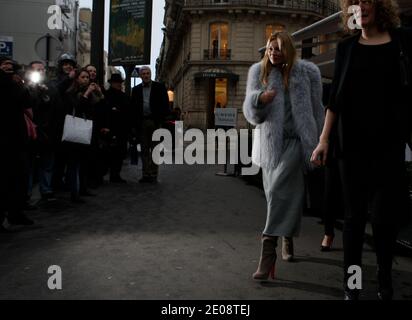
(34, 111)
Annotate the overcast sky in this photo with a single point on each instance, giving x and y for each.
(157, 25)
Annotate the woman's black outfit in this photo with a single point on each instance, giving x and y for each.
(373, 125)
(75, 153)
(332, 202)
(115, 116)
(90, 169)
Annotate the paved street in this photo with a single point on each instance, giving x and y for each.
(193, 236)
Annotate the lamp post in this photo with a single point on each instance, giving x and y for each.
(97, 46)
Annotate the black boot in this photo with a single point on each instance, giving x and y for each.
(19, 219)
(351, 295)
(3, 230)
(385, 290)
(385, 241)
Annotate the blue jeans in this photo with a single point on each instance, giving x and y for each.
(45, 171)
(73, 176)
(46, 166)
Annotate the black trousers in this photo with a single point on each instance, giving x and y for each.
(150, 169)
(332, 200)
(13, 183)
(374, 187)
(111, 156)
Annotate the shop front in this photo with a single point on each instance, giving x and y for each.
(219, 83)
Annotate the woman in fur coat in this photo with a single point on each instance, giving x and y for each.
(284, 101)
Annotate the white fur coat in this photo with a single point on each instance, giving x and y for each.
(305, 88)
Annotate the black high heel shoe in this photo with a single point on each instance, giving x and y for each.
(351, 295)
(326, 243)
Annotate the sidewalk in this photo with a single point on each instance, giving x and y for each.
(192, 236)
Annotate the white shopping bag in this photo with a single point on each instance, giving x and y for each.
(77, 130)
(256, 147)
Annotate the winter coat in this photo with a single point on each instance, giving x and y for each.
(305, 90)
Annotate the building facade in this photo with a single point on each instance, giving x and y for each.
(84, 36)
(209, 46)
(322, 37)
(24, 22)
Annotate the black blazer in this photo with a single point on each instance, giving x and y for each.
(344, 51)
(159, 104)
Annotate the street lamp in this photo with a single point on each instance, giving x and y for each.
(97, 46)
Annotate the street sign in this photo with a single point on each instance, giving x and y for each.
(226, 117)
(135, 73)
(48, 48)
(6, 47)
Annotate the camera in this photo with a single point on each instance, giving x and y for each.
(35, 77)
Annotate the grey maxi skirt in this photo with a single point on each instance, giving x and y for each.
(285, 192)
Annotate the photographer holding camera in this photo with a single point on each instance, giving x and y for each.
(47, 114)
(13, 144)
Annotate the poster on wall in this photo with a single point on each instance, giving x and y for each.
(130, 32)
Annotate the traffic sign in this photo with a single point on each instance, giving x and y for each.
(48, 48)
(6, 47)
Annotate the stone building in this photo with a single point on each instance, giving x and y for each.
(209, 46)
(323, 36)
(23, 22)
(84, 36)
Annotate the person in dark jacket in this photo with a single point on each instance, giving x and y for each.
(47, 116)
(92, 167)
(370, 104)
(115, 126)
(13, 145)
(150, 107)
(332, 206)
(66, 71)
(78, 102)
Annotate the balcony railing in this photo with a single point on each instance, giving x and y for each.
(321, 7)
(213, 54)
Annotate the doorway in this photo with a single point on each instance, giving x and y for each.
(218, 98)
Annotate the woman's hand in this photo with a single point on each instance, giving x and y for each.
(98, 89)
(267, 96)
(320, 154)
(90, 89)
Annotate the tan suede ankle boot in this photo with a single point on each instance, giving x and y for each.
(267, 259)
(287, 249)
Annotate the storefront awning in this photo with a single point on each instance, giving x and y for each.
(216, 73)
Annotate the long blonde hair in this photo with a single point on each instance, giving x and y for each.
(288, 51)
